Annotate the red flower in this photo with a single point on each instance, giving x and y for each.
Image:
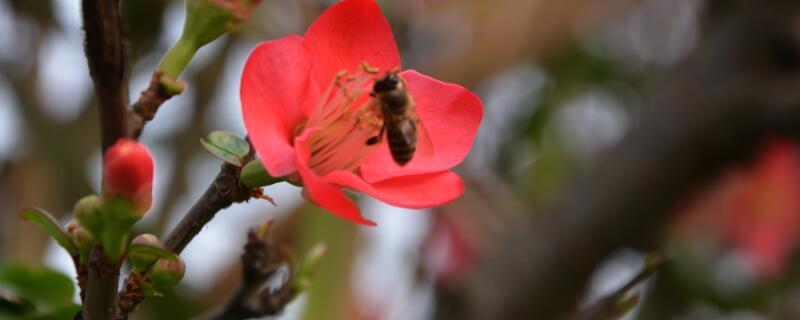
(308, 123)
(754, 209)
(764, 216)
(128, 173)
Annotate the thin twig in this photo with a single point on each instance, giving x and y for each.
(224, 191)
(145, 108)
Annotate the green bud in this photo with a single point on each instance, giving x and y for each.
(142, 261)
(88, 212)
(166, 273)
(82, 238)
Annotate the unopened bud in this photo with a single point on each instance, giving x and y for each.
(88, 212)
(166, 273)
(142, 261)
(81, 237)
(128, 173)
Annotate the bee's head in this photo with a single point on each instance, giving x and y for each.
(387, 83)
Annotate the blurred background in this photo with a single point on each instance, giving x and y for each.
(561, 81)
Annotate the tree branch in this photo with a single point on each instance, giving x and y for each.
(105, 52)
(106, 56)
(738, 87)
(223, 191)
(101, 292)
(253, 298)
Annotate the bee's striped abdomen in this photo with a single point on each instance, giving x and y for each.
(402, 138)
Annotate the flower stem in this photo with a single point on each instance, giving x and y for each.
(254, 175)
(178, 57)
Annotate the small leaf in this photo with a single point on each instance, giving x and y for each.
(227, 147)
(50, 225)
(144, 249)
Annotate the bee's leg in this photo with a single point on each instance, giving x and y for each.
(376, 139)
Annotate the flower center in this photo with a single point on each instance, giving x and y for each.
(346, 117)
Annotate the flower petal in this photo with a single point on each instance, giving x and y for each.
(275, 91)
(450, 114)
(324, 194)
(347, 34)
(416, 191)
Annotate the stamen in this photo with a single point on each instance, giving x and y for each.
(347, 117)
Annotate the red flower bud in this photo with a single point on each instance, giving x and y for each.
(142, 261)
(166, 273)
(128, 173)
(241, 9)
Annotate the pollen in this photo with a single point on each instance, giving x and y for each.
(346, 116)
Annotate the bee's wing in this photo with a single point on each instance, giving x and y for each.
(424, 143)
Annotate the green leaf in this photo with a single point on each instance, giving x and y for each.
(227, 147)
(144, 249)
(45, 288)
(50, 225)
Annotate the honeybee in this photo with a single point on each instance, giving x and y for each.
(400, 120)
